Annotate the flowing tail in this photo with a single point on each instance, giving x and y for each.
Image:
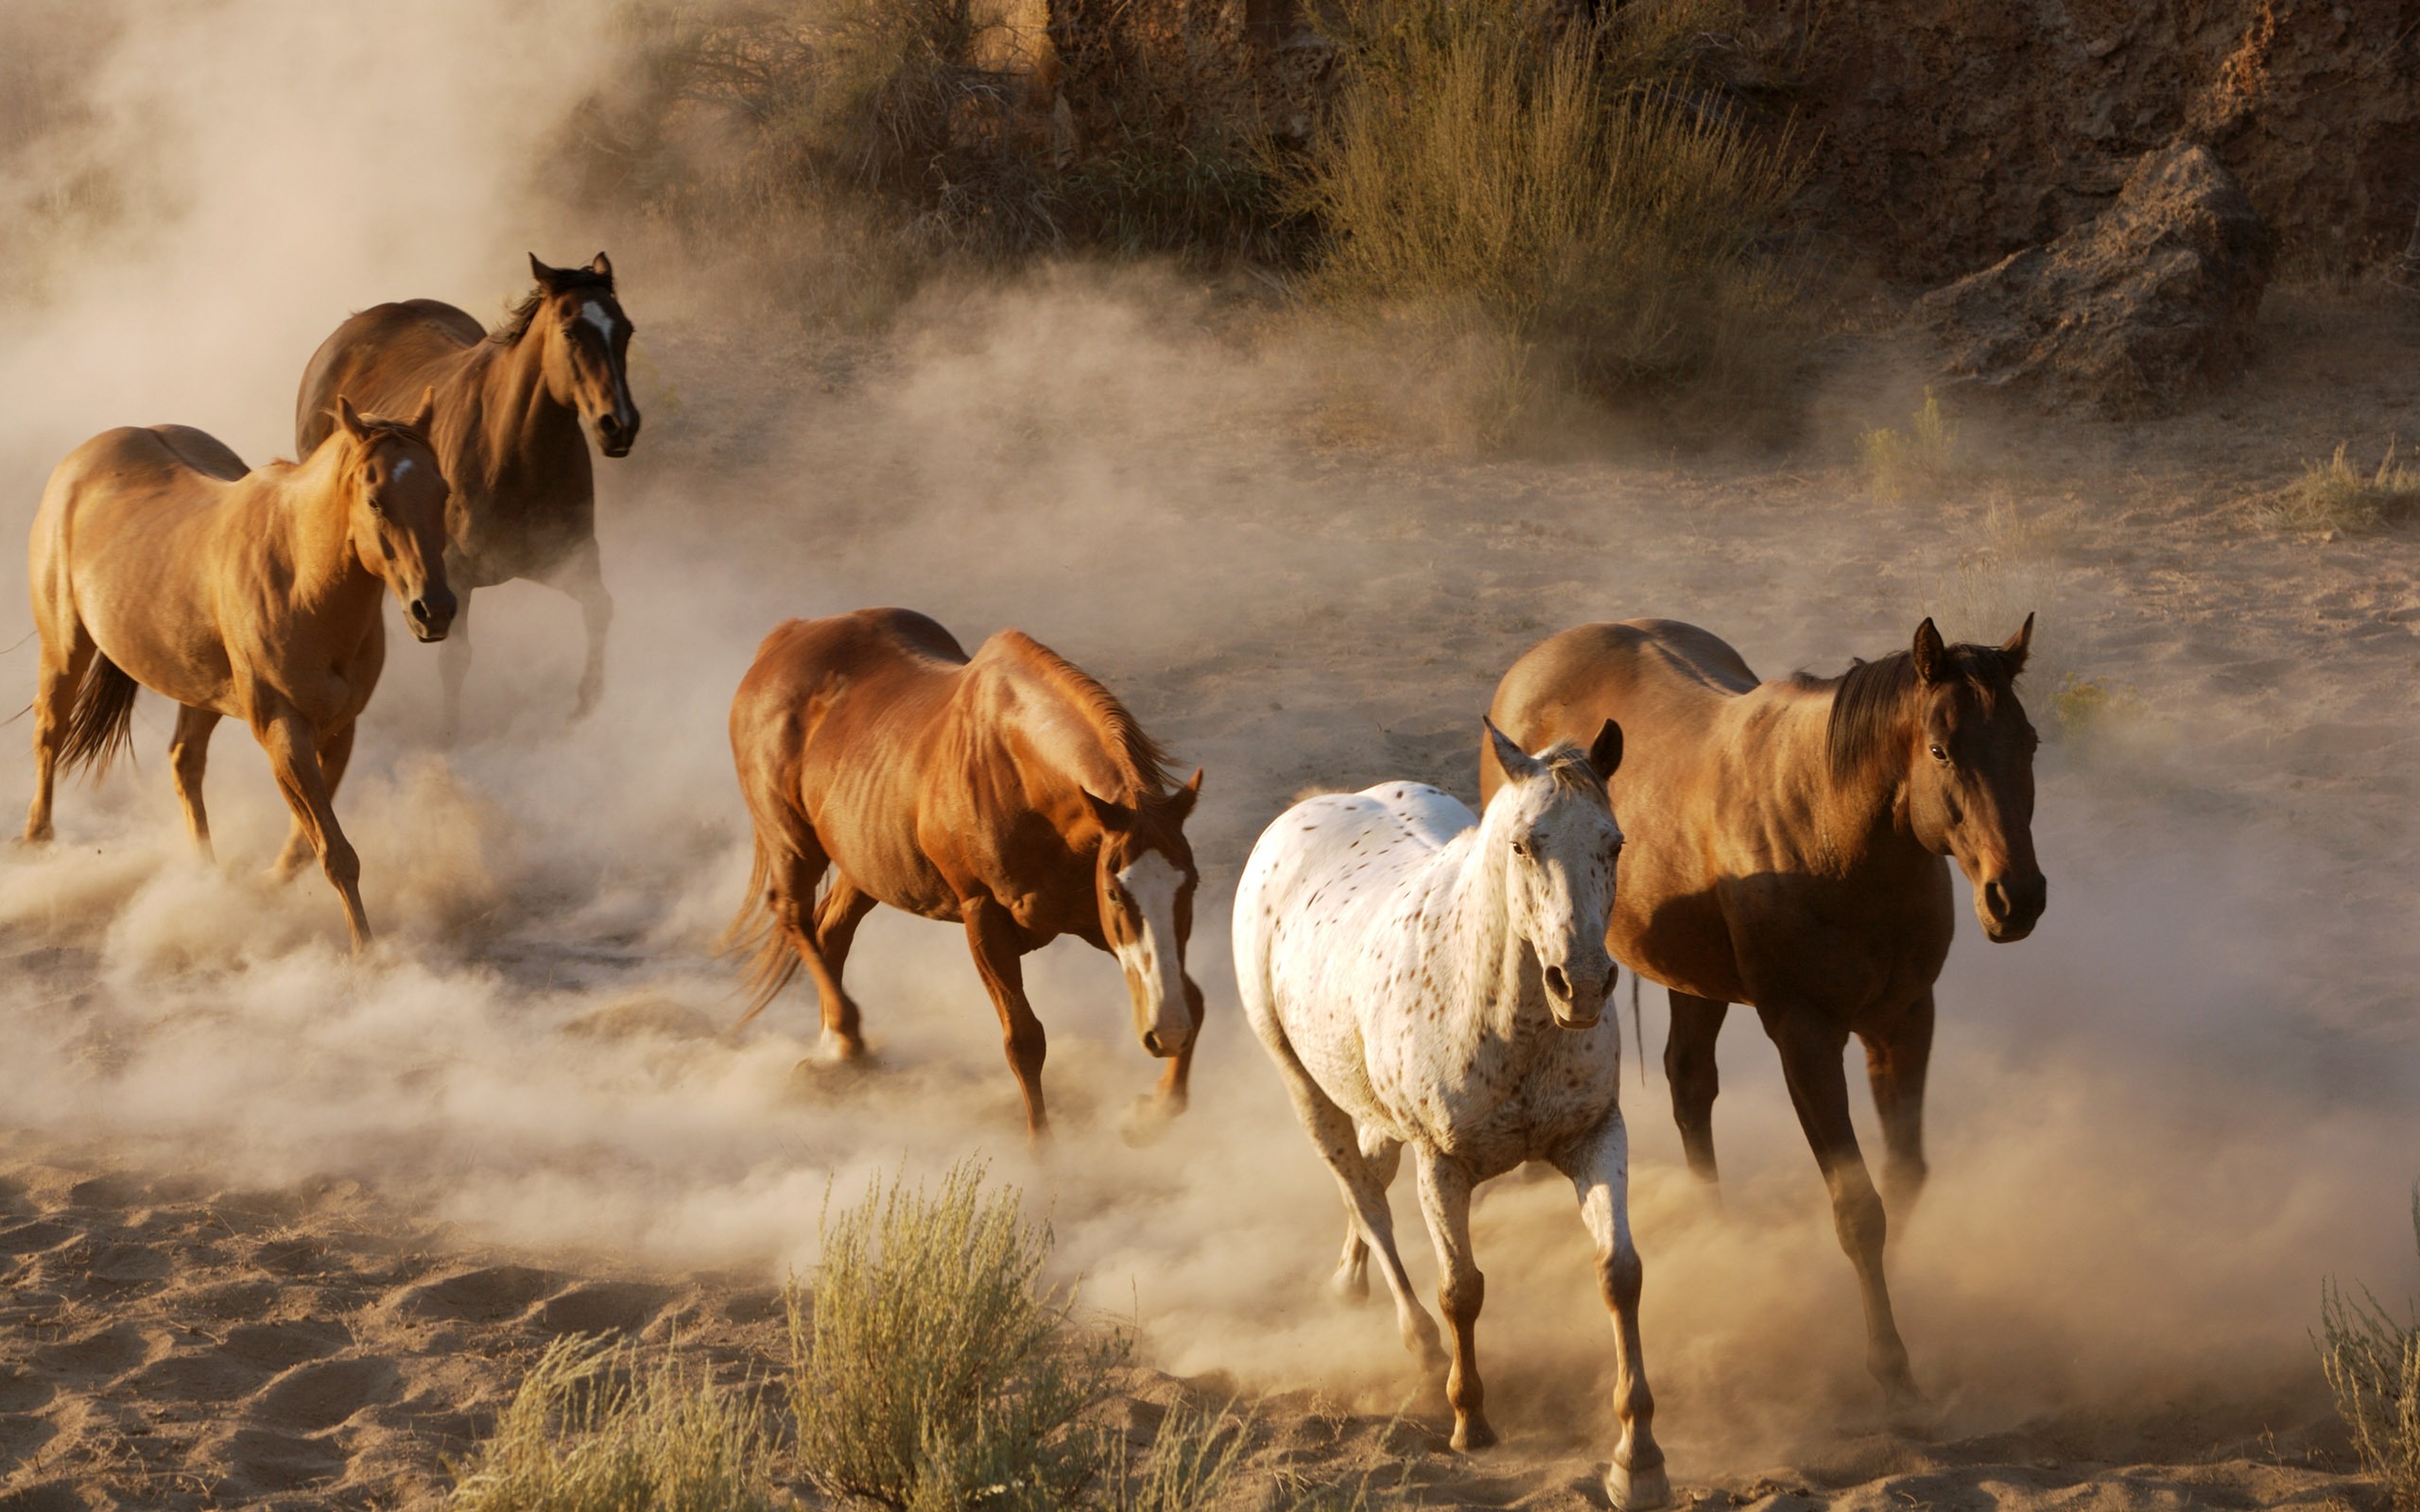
(101, 723)
(759, 930)
(1637, 1030)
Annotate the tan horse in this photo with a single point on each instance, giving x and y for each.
(157, 561)
(507, 430)
(1786, 850)
(1007, 792)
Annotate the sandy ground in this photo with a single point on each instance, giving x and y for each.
(278, 1228)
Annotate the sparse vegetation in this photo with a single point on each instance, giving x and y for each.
(2373, 1364)
(2334, 495)
(2085, 707)
(1898, 464)
(1588, 196)
(593, 1430)
(931, 1369)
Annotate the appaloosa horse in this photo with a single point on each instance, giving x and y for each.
(1788, 854)
(1425, 976)
(506, 431)
(157, 561)
(1007, 792)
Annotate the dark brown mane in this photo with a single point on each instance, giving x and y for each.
(1870, 700)
(1146, 763)
(521, 312)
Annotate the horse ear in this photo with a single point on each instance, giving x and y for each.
(427, 410)
(348, 417)
(544, 275)
(1115, 818)
(1181, 801)
(1933, 658)
(1605, 752)
(602, 267)
(2014, 649)
(1517, 764)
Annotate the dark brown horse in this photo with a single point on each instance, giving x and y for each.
(158, 561)
(1007, 792)
(508, 410)
(1785, 845)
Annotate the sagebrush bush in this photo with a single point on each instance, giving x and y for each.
(593, 1429)
(931, 1369)
(2373, 1366)
(1917, 460)
(2336, 495)
(1583, 190)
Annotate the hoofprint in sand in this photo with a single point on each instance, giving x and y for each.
(2157, 1123)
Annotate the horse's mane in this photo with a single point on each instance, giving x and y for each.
(1146, 763)
(518, 315)
(1870, 700)
(1569, 768)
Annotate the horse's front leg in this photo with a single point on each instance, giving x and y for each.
(998, 946)
(1811, 1047)
(1896, 1055)
(1175, 1082)
(1599, 1166)
(335, 754)
(1689, 1066)
(1445, 1202)
(583, 578)
(453, 662)
(293, 746)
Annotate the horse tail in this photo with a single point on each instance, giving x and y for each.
(1637, 1030)
(101, 723)
(756, 930)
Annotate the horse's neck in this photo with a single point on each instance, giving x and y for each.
(1861, 817)
(517, 416)
(1061, 735)
(313, 525)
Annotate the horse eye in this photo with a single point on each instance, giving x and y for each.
(1519, 849)
(1939, 754)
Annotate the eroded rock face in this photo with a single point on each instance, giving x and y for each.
(2130, 314)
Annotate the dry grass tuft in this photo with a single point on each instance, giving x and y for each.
(1916, 461)
(931, 1369)
(2373, 1364)
(590, 1431)
(1588, 198)
(2335, 496)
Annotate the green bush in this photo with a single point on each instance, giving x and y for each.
(1916, 461)
(2373, 1364)
(590, 1431)
(1587, 192)
(931, 1370)
(2334, 495)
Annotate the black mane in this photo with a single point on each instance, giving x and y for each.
(518, 316)
(1870, 700)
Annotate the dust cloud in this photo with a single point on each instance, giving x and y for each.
(2154, 1127)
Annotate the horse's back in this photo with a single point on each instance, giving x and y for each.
(121, 530)
(381, 359)
(1338, 860)
(202, 452)
(1664, 681)
(856, 690)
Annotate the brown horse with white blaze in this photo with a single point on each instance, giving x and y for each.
(1007, 792)
(510, 408)
(1787, 850)
(158, 561)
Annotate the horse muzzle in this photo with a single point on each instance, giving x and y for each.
(430, 616)
(1577, 1004)
(615, 431)
(2009, 907)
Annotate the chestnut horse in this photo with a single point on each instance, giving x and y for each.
(1007, 792)
(1785, 846)
(157, 561)
(508, 410)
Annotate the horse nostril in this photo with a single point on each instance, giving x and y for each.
(1151, 1041)
(1996, 898)
(1557, 982)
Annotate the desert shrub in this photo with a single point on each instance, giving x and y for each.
(2373, 1364)
(591, 1430)
(1900, 463)
(931, 1369)
(2084, 708)
(1582, 191)
(1193, 1463)
(2334, 495)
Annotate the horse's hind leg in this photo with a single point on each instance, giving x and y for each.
(1384, 1156)
(1600, 1172)
(1896, 1056)
(1689, 1065)
(844, 906)
(190, 757)
(1446, 1201)
(61, 674)
(1811, 1046)
(583, 578)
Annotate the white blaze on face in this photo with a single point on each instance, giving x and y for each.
(403, 465)
(1151, 957)
(595, 313)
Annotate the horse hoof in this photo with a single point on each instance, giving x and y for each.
(1637, 1491)
(1472, 1434)
(1352, 1285)
(1145, 1121)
